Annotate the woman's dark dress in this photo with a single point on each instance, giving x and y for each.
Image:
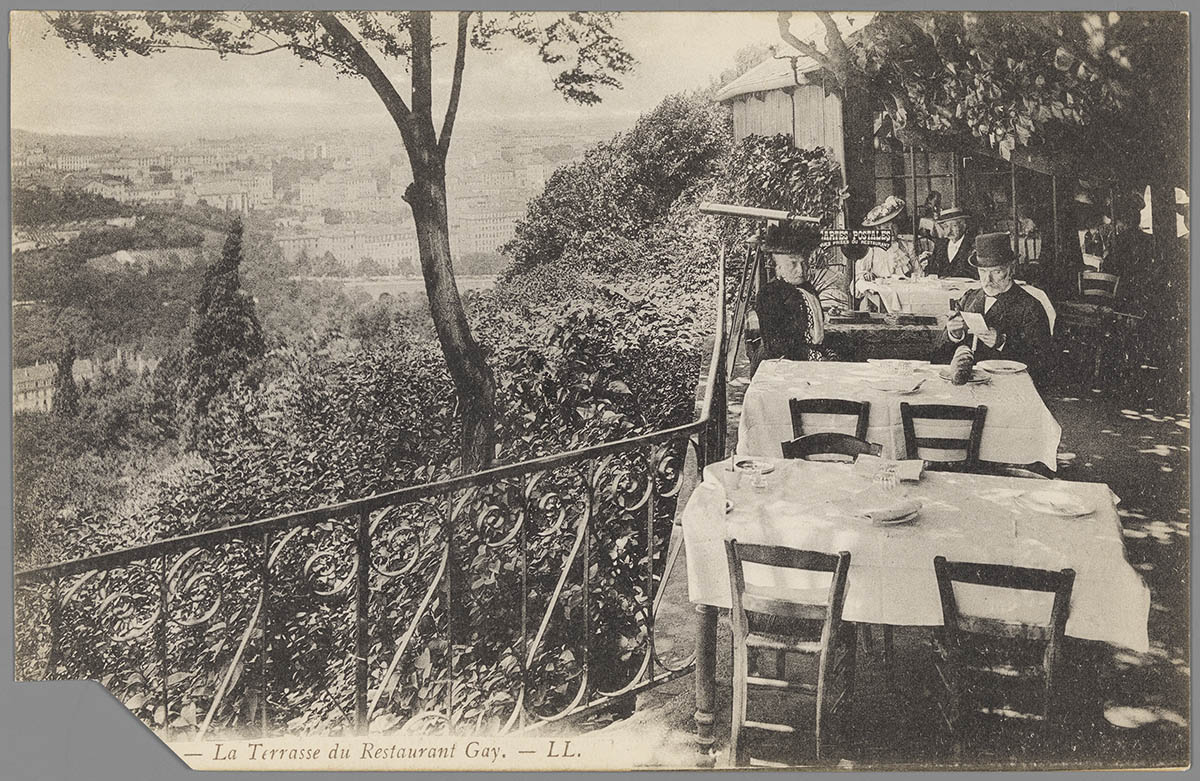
(784, 320)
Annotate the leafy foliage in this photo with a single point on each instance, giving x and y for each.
(599, 208)
(1073, 83)
(43, 205)
(586, 348)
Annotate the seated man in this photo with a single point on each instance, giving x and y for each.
(1018, 327)
(951, 253)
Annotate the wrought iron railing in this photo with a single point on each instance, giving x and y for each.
(492, 601)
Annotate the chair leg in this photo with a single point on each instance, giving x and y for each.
(822, 689)
(889, 656)
(780, 665)
(848, 703)
(738, 754)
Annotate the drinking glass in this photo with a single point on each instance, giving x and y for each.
(886, 479)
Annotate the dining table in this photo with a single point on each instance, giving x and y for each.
(931, 295)
(1019, 428)
(820, 506)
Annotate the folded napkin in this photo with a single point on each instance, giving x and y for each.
(868, 466)
(890, 510)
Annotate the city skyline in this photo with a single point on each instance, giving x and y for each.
(63, 92)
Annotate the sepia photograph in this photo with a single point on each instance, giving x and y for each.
(595, 390)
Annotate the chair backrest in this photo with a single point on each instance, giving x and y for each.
(964, 449)
(829, 443)
(859, 410)
(1098, 284)
(1059, 583)
(764, 601)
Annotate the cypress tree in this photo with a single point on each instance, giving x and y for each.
(226, 335)
(65, 401)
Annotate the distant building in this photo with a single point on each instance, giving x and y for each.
(124, 191)
(392, 247)
(33, 386)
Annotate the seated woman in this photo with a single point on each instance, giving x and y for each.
(790, 318)
(899, 259)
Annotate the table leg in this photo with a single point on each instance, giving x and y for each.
(706, 674)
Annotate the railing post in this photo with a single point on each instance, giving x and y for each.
(162, 640)
(524, 657)
(55, 619)
(362, 636)
(264, 574)
(449, 608)
(650, 510)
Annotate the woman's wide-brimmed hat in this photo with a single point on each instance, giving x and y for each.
(954, 213)
(884, 212)
(992, 250)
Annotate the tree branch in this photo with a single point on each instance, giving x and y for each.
(422, 67)
(460, 57)
(835, 45)
(365, 64)
(784, 19)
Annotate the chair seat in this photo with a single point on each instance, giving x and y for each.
(788, 602)
(781, 684)
(771, 642)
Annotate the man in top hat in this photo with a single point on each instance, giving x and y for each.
(952, 252)
(1018, 327)
(895, 260)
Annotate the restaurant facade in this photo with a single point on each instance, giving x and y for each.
(1047, 204)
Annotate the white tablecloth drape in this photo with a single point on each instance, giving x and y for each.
(809, 505)
(1019, 428)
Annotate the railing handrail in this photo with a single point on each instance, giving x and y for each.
(401, 495)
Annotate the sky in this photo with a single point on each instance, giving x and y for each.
(57, 90)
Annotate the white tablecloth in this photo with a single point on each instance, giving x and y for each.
(1018, 430)
(963, 517)
(927, 296)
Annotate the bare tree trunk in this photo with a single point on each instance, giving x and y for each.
(859, 138)
(473, 379)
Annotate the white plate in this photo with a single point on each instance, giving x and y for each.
(753, 464)
(901, 385)
(899, 521)
(1058, 503)
(996, 366)
(947, 374)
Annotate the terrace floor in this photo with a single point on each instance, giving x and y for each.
(1119, 709)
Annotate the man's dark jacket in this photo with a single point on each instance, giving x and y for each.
(1021, 322)
(945, 266)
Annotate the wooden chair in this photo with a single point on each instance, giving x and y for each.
(1097, 284)
(775, 620)
(829, 443)
(977, 658)
(861, 410)
(944, 452)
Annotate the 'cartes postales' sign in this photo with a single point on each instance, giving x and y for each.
(871, 237)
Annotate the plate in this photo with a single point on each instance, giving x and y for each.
(1002, 367)
(753, 465)
(1058, 503)
(899, 521)
(947, 374)
(902, 385)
